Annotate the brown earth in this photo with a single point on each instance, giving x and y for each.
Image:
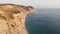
(12, 18)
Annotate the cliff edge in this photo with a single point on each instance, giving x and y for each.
(12, 18)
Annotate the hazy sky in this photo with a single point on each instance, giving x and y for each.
(35, 3)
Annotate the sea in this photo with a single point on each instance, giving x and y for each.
(44, 21)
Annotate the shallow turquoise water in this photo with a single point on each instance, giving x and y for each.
(44, 21)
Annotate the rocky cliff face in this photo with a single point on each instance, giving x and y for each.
(12, 18)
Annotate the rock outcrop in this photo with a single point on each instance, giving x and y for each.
(12, 18)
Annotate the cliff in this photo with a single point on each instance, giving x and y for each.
(12, 18)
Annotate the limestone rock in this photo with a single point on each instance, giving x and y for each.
(12, 18)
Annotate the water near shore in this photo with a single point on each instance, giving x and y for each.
(44, 21)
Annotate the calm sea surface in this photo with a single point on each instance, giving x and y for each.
(44, 21)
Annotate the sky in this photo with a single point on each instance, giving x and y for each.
(35, 3)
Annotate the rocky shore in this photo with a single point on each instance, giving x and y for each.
(12, 18)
